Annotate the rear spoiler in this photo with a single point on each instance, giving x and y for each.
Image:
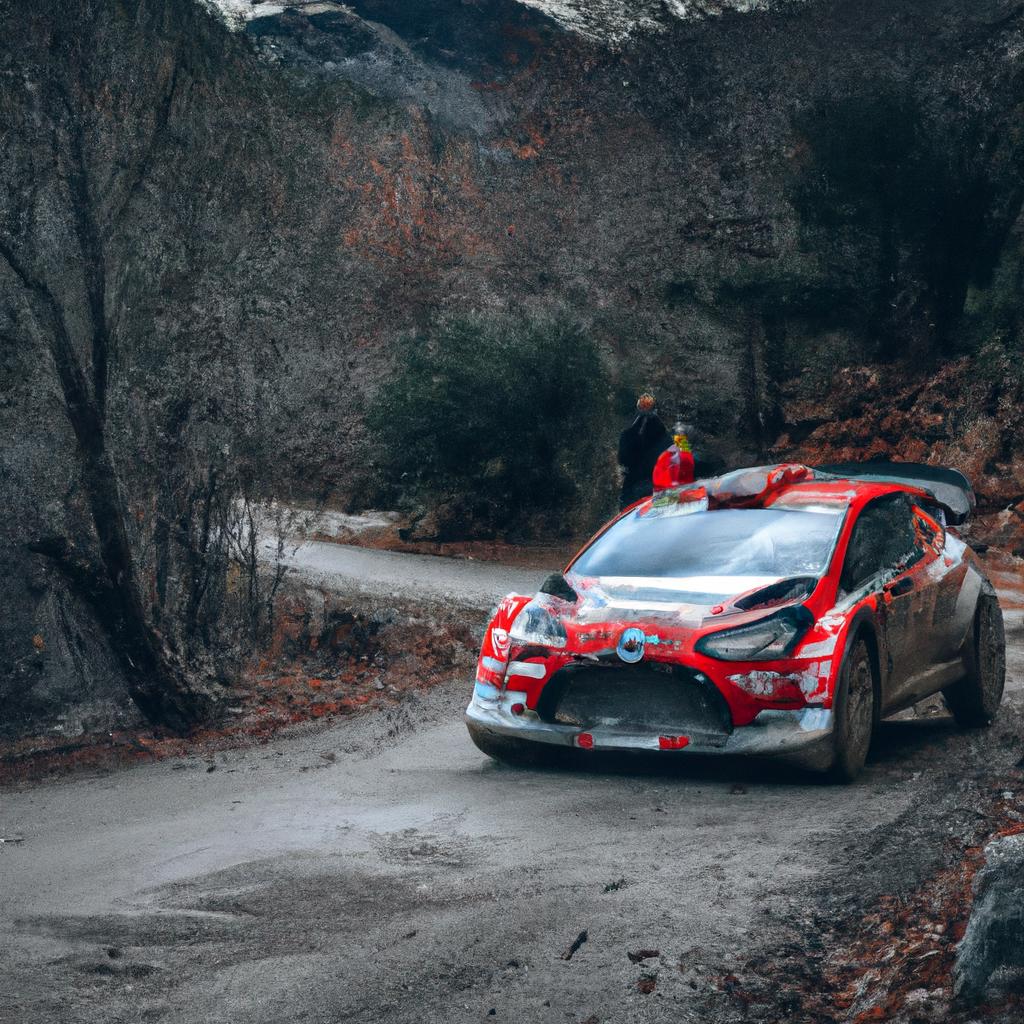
(951, 490)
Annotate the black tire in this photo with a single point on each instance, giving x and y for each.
(975, 699)
(510, 750)
(855, 713)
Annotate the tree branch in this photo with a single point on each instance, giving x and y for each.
(160, 122)
(26, 279)
(94, 270)
(80, 570)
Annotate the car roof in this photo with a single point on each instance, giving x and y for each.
(780, 487)
(841, 493)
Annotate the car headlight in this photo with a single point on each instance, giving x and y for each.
(537, 624)
(768, 638)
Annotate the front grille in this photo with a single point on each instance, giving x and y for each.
(667, 700)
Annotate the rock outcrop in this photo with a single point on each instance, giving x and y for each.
(994, 940)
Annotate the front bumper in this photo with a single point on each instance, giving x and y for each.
(801, 737)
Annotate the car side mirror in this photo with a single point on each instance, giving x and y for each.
(558, 586)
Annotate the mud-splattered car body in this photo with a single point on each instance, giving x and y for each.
(717, 619)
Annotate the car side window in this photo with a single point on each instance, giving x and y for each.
(884, 539)
(929, 531)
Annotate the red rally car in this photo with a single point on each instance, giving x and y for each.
(775, 611)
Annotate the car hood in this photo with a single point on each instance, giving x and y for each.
(685, 600)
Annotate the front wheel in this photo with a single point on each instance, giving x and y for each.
(975, 699)
(854, 711)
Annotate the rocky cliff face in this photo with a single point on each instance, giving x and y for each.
(799, 222)
(740, 198)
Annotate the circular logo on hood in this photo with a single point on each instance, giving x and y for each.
(631, 645)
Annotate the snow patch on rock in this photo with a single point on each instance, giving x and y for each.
(234, 13)
(603, 20)
(614, 20)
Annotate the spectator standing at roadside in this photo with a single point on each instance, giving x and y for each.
(640, 444)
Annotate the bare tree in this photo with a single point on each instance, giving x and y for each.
(81, 150)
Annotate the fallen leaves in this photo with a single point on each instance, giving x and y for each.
(359, 665)
(890, 962)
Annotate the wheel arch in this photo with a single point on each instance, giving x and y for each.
(863, 628)
(986, 592)
(986, 589)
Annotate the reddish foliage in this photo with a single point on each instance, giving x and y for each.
(897, 411)
(353, 667)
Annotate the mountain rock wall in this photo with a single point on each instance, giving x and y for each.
(739, 199)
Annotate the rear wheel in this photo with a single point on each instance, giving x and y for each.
(975, 699)
(854, 710)
(511, 750)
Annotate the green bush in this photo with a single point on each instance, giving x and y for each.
(508, 418)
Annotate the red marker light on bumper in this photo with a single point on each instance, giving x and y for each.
(517, 709)
(585, 740)
(673, 742)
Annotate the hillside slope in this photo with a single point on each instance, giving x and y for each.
(780, 216)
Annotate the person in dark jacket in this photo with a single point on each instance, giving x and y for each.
(640, 444)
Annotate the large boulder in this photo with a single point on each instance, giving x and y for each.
(994, 940)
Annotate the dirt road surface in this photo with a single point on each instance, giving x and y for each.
(383, 574)
(383, 870)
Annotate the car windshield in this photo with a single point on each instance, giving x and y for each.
(753, 543)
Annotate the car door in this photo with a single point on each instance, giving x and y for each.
(949, 612)
(935, 589)
(885, 557)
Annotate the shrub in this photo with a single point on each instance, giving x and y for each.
(506, 417)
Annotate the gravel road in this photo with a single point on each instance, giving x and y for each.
(385, 574)
(383, 870)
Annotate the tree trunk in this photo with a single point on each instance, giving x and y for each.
(157, 681)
